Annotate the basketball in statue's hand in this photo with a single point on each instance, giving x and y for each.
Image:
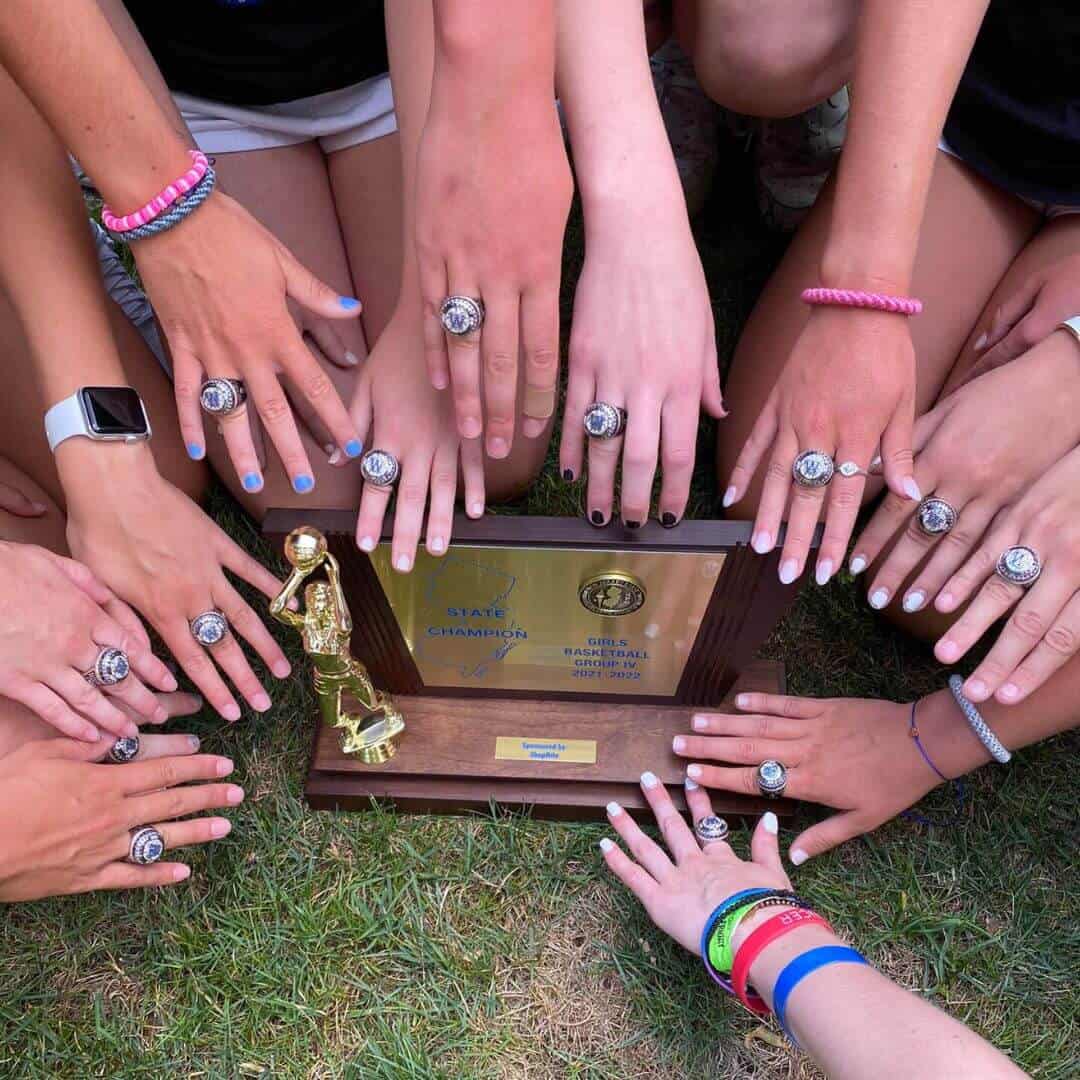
(305, 547)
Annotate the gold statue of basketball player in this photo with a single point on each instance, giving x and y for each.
(325, 627)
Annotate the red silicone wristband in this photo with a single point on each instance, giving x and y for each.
(765, 935)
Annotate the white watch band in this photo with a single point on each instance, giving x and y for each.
(64, 420)
(1073, 326)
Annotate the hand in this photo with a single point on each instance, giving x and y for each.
(681, 890)
(18, 503)
(642, 339)
(1041, 304)
(849, 753)
(848, 385)
(1043, 631)
(219, 284)
(975, 451)
(58, 617)
(162, 554)
(415, 423)
(493, 195)
(75, 817)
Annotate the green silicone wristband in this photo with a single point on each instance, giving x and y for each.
(720, 943)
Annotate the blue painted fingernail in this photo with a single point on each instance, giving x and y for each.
(354, 448)
(348, 302)
(252, 482)
(302, 484)
(195, 451)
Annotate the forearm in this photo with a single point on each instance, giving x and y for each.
(908, 61)
(66, 58)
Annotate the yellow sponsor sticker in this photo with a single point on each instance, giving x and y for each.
(512, 748)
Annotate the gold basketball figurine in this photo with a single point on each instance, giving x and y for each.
(325, 627)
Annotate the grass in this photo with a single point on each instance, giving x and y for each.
(315, 945)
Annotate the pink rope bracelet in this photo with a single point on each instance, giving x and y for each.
(900, 305)
(161, 201)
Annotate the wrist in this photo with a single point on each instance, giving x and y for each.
(87, 468)
(768, 964)
(952, 745)
(867, 263)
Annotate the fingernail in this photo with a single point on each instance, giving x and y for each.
(1010, 691)
(471, 428)
(633, 524)
(606, 845)
(668, 520)
(235, 794)
(160, 715)
(981, 343)
(366, 544)
(349, 303)
(944, 602)
(648, 780)
(437, 545)
(282, 669)
(742, 700)
(823, 572)
(224, 766)
(678, 744)
(354, 448)
(614, 809)
(219, 828)
(497, 448)
(947, 651)
(477, 509)
(914, 600)
(798, 856)
(729, 497)
(762, 543)
(689, 784)
(875, 461)
(769, 821)
(652, 631)
(231, 713)
(303, 483)
(351, 358)
(193, 742)
(596, 517)
(335, 457)
(700, 723)
(195, 451)
(568, 475)
(879, 598)
(181, 872)
(261, 702)
(252, 481)
(38, 507)
(911, 489)
(857, 564)
(789, 571)
(976, 689)
(694, 771)
(404, 563)
(440, 381)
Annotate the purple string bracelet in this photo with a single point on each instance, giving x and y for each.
(958, 786)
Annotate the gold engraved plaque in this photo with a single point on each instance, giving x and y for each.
(526, 618)
(580, 751)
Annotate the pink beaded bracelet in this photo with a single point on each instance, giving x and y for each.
(161, 201)
(900, 305)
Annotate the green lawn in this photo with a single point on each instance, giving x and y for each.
(368, 945)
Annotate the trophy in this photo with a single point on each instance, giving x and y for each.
(370, 728)
(539, 663)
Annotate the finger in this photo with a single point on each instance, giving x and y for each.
(700, 806)
(181, 704)
(434, 291)
(125, 875)
(712, 397)
(412, 494)
(247, 624)
(990, 603)
(314, 294)
(1059, 644)
(89, 701)
(15, 502)
(472, 473)
(680, 840)
(463, 354)
(136, 646)
(1026, 334)
(636, 879)
(499, 352)
(137, 778)
(742, 780)
(765, 845)
(137, 702)
(580, 393)
(752, 454)
(306, 374)
(200, 669)
(228, 655)
(236, 560)
(201, 830)
(804, 510)
(236, 430)
(678, 445)
(645, 850)
(979, 564)
(641, 445)
(80, 575)
(826, 835)
(844, 499)
(897, 458)
(53, 709)
(774, 492)
(540, 343)
(752, 726)
(152, 746)
(309, 419)
(440, 521)
(1009, 313)
(276, 417)
(178, 802)
(603, 461)
(369, 521)
(360, 407)
(893, 514)
(131, 624)
(187, 387)
(786, 705)
(331, 344)
(737, 751)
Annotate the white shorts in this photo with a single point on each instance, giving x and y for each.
(336, 120)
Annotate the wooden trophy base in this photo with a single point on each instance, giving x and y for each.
(446, 760)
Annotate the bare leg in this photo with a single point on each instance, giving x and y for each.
(768, 57)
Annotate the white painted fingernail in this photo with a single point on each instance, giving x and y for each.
(403, 563)
(742, 700)
(606, 845)
(875, 461)
(648, 780)
(366, 543)
(770, 822)
(689, 784)
(762, 543)
(981, 343)
(351, 358)
(477, 509)
(879, 599)
(914, 600)
(789, 571)
(652, 631)
(335, 457)
(858, 564)
(437, 545)
(911, 489)
(1010, 691)
(694, 771)
(614, 809)
(678, 744)
(798, 857)
(701, 723)
(729, 497)
(823, 572)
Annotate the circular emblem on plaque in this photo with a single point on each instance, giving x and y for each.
(612, 593)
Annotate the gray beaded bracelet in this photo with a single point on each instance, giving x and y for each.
(977, 723)
(175, 214)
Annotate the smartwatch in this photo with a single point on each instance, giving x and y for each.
(104, 413)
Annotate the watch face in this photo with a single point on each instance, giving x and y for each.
(114, 410)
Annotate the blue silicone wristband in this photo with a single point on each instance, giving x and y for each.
(799, 968)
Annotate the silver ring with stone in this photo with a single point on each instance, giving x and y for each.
(461, 315)
(1019, 565)
(849, 469)
(935, 517)
(604, 421)
(146, 847)
(220, 396)
(125, 749)
(813, 469)
(711, 830)
(209, 628)
(380, 468)
(771, 779)
(110, 668)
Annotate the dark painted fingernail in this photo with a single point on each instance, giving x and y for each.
(195, 451)
(568, 475)
(633, 524)
(349, 303)
(354, 448)
(252, 482)
(596, 517)
(668, 520)
(302, 483)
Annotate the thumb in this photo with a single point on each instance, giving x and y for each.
(1010, 313)
(927, 425)
(826, 835)
(360, 406)
(712, 397)
(15, 502)
(897, 460)
(308, 290)
(765, 844)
